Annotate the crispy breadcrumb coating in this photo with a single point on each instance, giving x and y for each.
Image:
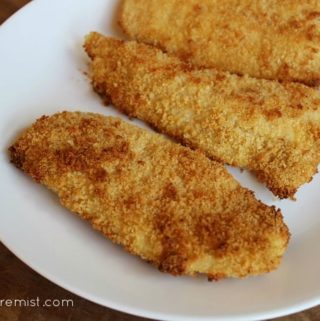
(270, 128)
(272, 39)
(169, 205)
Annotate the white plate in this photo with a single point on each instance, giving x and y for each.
(41, 72)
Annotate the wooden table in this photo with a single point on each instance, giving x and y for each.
(18, 281)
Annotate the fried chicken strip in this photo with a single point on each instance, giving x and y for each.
(270, 128)
(169, 205)
(272, 39)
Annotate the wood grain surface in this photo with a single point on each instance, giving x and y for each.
(18, 281)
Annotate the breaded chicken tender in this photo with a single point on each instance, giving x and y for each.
(272, 39)
(269, 128)
(169, 205)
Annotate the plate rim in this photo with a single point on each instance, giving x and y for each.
(279, 312)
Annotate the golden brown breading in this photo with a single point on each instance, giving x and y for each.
(269, 128)
(272, 39)
(164, 202)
